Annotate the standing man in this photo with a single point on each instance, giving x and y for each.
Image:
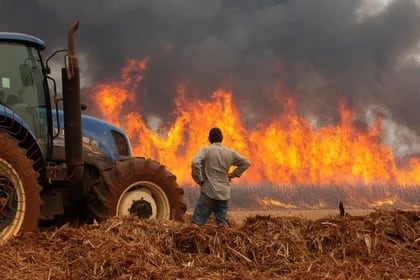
(210, 169)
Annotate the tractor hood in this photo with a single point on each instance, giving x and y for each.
(99, 137)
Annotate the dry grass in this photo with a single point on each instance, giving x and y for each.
(380, 245)
(316, 197)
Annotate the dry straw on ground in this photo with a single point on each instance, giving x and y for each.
(382, 245)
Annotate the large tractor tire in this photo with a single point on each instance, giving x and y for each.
(19, 190)
(137, 186)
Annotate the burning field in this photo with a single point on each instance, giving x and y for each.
(285, 148)
(381, 245)
(318, 126)
(296, 163)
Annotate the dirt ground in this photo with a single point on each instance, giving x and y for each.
(239, 215)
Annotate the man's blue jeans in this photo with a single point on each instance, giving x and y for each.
(206, 206)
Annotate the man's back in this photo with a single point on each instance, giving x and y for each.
(210, 167)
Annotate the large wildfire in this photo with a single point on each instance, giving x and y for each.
(285, 149)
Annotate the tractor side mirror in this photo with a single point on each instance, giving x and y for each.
(25, 75)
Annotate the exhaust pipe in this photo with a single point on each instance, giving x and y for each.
(72, 110)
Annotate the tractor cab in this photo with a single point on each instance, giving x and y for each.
(24, 95)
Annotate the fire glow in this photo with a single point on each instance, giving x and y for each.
(284, 150)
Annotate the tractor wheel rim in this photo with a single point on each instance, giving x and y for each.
(12, 201)
(149, 192)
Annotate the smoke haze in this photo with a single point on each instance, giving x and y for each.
(318, 52)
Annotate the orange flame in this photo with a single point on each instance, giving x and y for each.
(284, 150)
(112, 97)
(387, 201)
(268, 202)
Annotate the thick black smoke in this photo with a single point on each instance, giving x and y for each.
(319, 52)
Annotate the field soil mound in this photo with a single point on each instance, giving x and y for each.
(381, 245)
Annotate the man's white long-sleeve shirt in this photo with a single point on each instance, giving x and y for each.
(210, 168)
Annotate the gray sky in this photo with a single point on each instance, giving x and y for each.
(321, 51)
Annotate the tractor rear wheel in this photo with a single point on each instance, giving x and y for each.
(137, 186)
(19, 190)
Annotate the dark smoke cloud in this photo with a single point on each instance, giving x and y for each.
(319, 52)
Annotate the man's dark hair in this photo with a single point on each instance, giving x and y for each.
(215, 135)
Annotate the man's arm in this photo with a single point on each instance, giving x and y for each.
(241, 164)
(197, 167)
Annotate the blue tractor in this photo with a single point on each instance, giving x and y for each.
(59, 166)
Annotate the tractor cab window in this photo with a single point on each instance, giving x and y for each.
(22, 86)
